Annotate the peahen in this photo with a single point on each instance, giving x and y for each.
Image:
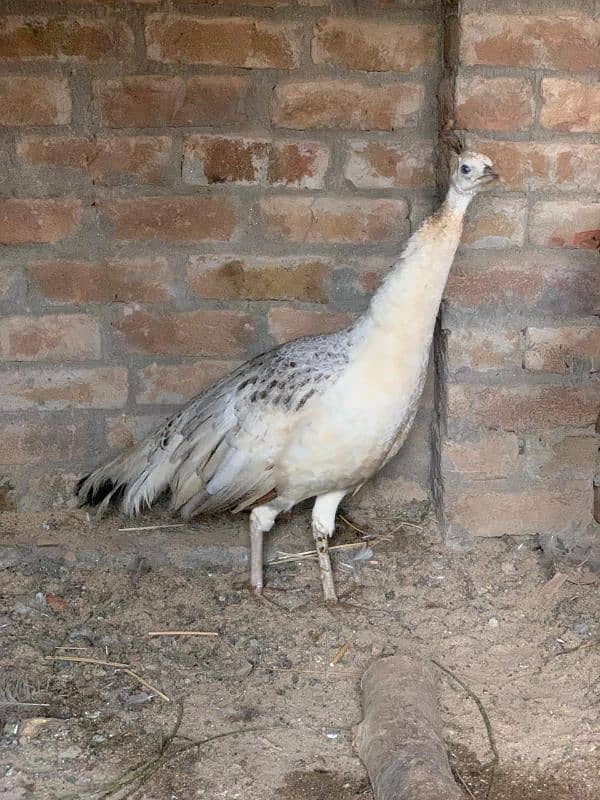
(315, 417)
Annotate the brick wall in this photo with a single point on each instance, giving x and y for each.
(522, 340)
(183, 185)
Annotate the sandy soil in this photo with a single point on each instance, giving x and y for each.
(265, 685)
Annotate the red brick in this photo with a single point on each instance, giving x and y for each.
(568, 166)
(31, 221)
(55, 337)
(153, 101)
(186, 333)
(374, 45)
(172, 219)
(35, 440)
(178, 383)
(522, 408)
(567, 43)
(215, 159)
(483, 349)
(388, 165)
(499, 511)
(349, 105)
(495, 222)
(25, 39)
(222, 41)
(561, 349)
(493, 104)
(548, 281)
(125, 430)
(565, 223)
(33, 100)
(332, 219)
(286, 324)
(105, 159)
(223, 277)
(554, 454)
(57, 389)
(570, 105)
(118, 280)
(495, 455)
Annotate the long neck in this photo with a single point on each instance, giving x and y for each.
(404, 309)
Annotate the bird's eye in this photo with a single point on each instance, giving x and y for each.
(465, 170)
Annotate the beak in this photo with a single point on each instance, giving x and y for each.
(489, 173)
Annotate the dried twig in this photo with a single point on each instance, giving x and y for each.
(582, 646)
(182, 633)
(117, 665)
(462, 780)
(140, 774)
(153, 527)
(484, 715)
(353, 525)
(312, 554)
(339, 655)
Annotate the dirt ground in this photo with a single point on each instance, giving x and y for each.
(258, 711)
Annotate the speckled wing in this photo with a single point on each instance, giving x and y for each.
(228, 440)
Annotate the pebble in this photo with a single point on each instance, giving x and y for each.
(493, 622)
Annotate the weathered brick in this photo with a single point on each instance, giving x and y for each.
(522, 408)
(553, 454)
(217, 159)
(373, 45)
(54, 337)
(57, 389)
(222, 41)
(119, 280)
(483, 349)
(535, 509)
(332, 219)
(104, 159)
(34, 440)
(569, 166)
(495, 455)
(178, 383)
(565, 223)
(286, 324)
(523, 40)
(11, 282)
(125, 430)
(172, 219)
(563, 349)
(223, 277)
(29, 38)
(549, 281)
(570, 105)
(144, 101)
(495, 222)
(31, 221)
(387, 165)
(493, 104)
(34, 100)
(349, 105)
(186, 333)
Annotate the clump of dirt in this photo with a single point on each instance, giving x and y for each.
(257, 712)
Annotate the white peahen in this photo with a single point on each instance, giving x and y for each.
(315, 417)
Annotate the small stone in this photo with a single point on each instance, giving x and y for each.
(493, 622)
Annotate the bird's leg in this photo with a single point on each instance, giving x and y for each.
(323, 524)
(261, 521)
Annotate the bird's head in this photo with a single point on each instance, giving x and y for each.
(472, 172)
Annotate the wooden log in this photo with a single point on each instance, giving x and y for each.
(400, 737)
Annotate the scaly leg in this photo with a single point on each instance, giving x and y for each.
(323, 524)
(262, 519)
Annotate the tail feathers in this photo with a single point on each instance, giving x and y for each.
(136, 478)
